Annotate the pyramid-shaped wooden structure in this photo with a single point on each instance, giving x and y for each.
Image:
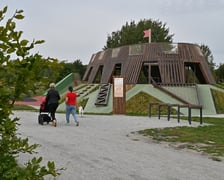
(162, 63)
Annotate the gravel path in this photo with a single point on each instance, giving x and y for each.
(105, 148)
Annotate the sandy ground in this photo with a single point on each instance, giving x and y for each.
(105, 148)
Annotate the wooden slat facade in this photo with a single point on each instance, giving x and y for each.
(171, 60)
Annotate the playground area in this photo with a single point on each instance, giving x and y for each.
(198, 96)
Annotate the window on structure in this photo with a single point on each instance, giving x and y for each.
(117, 70)
(149, 73)
(193, 73)
(144, 75)
(99, 74)
(136, 49)
(155, 73)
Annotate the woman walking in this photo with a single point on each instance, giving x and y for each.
(52, 99)
(71, 98)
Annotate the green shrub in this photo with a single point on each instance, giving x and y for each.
(18, 77)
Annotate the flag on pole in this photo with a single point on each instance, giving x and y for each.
(147, 34)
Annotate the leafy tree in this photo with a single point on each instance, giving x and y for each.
(20, 72)
(75, 67)
(48, 70)
(208, 56)
(79, 67)
(133, 33)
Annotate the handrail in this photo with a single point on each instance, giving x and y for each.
(168, 105)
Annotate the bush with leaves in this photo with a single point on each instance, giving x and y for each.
(20, 73)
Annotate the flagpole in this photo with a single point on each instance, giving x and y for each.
(149, 35)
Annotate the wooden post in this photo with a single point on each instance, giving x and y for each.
(119, 95)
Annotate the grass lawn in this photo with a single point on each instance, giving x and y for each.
(23, 107)
(208, 139)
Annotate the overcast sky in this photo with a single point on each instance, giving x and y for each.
(76, 29)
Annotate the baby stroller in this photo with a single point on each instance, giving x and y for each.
(43, 113)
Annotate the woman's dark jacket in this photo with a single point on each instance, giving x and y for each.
(52, 96)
